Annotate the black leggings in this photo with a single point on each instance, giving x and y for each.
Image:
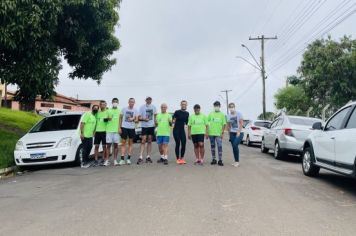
(181, 139)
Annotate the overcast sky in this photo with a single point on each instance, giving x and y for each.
(174, 50)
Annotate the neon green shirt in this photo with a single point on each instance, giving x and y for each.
(89, 121)
(216, 121)
(163, 124)
(198, 124)
(100, 124)
(112, 126)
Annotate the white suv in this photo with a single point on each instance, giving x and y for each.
(332, 147)
(55, 139)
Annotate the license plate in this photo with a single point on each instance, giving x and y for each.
(38, 156)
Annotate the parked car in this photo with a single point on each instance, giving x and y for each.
(254, 130)
(52, 111)
(54, 139)
(333, 146)
(287, 134)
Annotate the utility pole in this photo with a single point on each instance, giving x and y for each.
(263, 70)
(227, 99)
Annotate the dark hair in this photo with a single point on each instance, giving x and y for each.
(115, 99)
(131, 99)
(183, 101)
(196, 106)
(102, 101)
(217, 103)
(94, 106)
(232, 104)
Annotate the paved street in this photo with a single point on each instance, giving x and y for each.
(261, 197)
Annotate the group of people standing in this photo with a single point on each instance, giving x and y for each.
(111, 126)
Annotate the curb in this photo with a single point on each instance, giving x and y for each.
(7, 170)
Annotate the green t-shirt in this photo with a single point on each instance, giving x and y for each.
(197, 123)
(163, 124)
(216, 122)
(112, 126)
(100, 123)
(89, 121)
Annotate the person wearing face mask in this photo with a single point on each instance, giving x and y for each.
(87, 130)
(113, 132)
(180, 120)
(235, 121)
(216, 128)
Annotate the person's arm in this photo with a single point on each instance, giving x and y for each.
(189, 132)
(241, 123)
(120, 122)
(82, 130)
(170, 120)
(207, 127)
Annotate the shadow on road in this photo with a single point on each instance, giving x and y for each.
(344, 183)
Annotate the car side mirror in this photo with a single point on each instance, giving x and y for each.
(318, 126)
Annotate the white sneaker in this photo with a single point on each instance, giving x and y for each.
(122, 162)
(106, 163)
(236, 164)
(116, 163)
(128, 162)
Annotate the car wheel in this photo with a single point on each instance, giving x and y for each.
(263, 147)
(309, 169)
(278, 153)
(248, 142)
(79, 156)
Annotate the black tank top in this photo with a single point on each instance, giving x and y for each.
(181, 118)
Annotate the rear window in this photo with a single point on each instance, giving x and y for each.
(262, 124)
(302, 121)
(57, 123)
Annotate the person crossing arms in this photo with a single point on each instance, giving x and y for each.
(128, 119)
(87, 130)
(163, 124)
(113, 131)
(146, 116)
(100, 132)
(180, 120)
(197, 131)
(216, 128)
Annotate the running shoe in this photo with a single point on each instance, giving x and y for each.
(213, 162)
(183, 161)
(236, 164)
(220, 163)
(197, 162)
(165, 161)
(201, 162)
(178, 161)
(161, 160)
(116, 163)
(96, 163)
(85, 165)
(148, 160)
(128, 162)
(106, 163)
(122, 162)
(139, 161)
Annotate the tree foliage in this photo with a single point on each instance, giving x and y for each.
(293, 98)
(328, 72)
(35, 34)
(269, 116)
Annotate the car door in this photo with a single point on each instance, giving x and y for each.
(246, 130)
(345, 143)
(269, 134)
(324, 148)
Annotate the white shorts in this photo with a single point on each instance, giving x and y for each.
(112, 137)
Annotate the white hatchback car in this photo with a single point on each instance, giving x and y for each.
(253, 131)
(332, 146)
(55, 139)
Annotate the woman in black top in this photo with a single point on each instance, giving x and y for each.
(180, 119)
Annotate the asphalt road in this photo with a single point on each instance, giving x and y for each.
(261, 197)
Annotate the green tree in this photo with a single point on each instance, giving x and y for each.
(269, 116)
(293, 80)
(36, 34)
(328, 72)
(293, 98)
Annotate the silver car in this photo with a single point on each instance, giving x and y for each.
(287, 134)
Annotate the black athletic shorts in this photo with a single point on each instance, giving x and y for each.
(100, 137)
(148, 131)
(198, 138)
(128, 133)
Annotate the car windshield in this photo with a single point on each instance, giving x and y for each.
(57, 123)
(302, 121)
(262, 124)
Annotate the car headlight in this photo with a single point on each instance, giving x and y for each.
(66, 142)
(19, 146)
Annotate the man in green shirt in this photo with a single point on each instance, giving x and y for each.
(87, 130)
(216, 128)
(197, 131)
(163, 122)
(113, 131)
(100, 132)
